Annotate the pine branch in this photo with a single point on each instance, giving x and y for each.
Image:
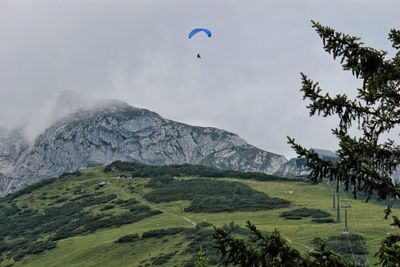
(362, 61)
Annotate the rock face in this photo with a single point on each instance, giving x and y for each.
(6, 184)
(114, 130)
(12, 146)
(296, 167)
(292, 169)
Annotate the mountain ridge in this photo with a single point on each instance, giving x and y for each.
(113, 130)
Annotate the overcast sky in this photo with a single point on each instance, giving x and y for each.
(247, 81)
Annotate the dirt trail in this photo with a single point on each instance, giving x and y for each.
(291, 242)
(151, 205)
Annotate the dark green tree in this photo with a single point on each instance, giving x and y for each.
(367, 160)
(202, 260)
(388, 253)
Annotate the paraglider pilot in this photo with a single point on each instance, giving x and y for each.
(197, 30)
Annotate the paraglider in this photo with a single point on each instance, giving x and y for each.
(198, 30)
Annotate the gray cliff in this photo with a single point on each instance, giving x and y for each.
(114, 130)
(12, 146)
(291, 169)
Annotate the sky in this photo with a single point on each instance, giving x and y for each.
(247, 81)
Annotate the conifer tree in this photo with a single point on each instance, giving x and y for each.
(368, 160)
(271, 250)
(202, 260)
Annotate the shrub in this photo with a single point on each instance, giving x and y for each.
(293, 217)
(203, 225)
(139, 208)
(126, 203)
(21, 231)
(163, 232)
(215, 196)
(128, 238)
(304, 212)
(107, 207)
(323, 220)
(163, 259)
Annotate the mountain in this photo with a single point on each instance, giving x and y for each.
(296, 167)
(13, 144)
(5, 183)
(114, 130)
(292, 169)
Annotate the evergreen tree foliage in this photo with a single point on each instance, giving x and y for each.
(388, 253)
(202, 259)
(367, 160)
(270, 250)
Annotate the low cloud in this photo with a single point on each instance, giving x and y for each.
(137, 51)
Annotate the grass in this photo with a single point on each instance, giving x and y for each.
(99, 248)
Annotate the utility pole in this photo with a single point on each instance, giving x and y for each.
(346, 205)
(333, 194)
(334, 199)
(337, 208)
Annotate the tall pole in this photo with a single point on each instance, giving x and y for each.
(346, 205)
(337, 209)
(333, 199)
(333, 194)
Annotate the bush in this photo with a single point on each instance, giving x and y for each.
(203, 225)
(139, 208)
(293, 217)
(160, 181)
(215, 196)
(323, 220)
(107, 207)
(21, 231)
(304, 212)
(163, 232)
(163, 259)
(126, 203)
(35, 248)
(166, 179)
(128, 238)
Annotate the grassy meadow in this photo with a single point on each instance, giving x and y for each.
(98, 247)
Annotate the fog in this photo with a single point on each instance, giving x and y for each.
(137, 51)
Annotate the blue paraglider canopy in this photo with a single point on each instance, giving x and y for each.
(195, 31)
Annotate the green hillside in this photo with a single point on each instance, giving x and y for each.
(138, 215)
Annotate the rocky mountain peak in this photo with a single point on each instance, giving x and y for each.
(112, 130)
